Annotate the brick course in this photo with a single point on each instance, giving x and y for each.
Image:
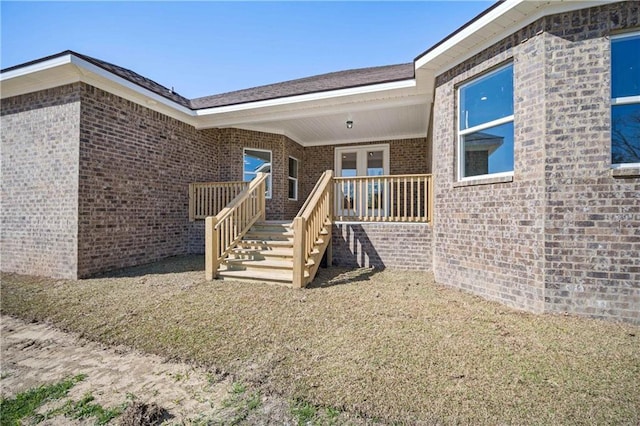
(563, 234)
(40, 134)
(135, 168)
(383, 245)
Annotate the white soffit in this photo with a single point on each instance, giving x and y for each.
(495, 25)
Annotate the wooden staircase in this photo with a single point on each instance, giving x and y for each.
(266, 253)
(241, 244)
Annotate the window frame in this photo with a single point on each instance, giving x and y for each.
(625, 100)
(269, 182)
(291, 178)
(462, 133)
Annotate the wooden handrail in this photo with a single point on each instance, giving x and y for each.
(389, 198)
(313, 191)
(208, 198)
(314, 218)
(224, 230)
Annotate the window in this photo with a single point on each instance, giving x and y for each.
(293, 178)
(625, 100)
(255, 161)
(485, 125)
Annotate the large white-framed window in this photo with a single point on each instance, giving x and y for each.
(293, 178)
(255, 161)
(625, 100)
(485, 125)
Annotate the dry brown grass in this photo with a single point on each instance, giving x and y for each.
(390, 346)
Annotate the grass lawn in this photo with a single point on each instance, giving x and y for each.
(388, 346)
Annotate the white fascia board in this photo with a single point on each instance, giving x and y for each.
(40, 66)
(544, 9)
(81, 63)
(402, 84)
(467, 32)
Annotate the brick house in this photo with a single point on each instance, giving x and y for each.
(506, 159)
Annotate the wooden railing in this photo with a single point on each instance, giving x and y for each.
(226, 229)
(208, 198)
(315, 216)
(398, 198)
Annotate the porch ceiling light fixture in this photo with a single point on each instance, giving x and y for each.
(349, 124)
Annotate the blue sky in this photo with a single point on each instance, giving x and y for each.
(207, 47)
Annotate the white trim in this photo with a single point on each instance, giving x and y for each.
(497, 122)
(403, 84)
(361, 162)
(269, 193)
(129, 85)
(542, 9)
(467, 32)
(625, 165)
(295, 179)
(624, 35)
(483, 126)
(625, 100)
(40, 66)
(486, 176)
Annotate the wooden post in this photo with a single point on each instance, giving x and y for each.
(431, 199)
(299, 260)
(211, 248)
(331, 213)
(192, 202)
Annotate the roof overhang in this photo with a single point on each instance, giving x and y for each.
(490, 27)
(388, 111)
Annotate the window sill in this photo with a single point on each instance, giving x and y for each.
(625, 172)
(483, 181)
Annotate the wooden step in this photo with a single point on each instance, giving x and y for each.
(254, 234)
(235, 264)
(264, 244)
(263, 252)
(279, 276)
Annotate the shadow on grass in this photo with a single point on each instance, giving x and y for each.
(335, 275)
(169, 265)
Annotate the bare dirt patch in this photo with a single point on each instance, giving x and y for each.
(386, 346)
(33, 354)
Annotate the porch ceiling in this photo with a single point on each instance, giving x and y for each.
(383, 123)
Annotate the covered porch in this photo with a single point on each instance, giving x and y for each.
(241, 243)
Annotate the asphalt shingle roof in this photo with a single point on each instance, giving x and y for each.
(314, 84)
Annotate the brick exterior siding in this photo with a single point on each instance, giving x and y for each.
(135, 168)
(232, 143)
(40, 134)
(401, 246)
(563, 235)
(406, 156)
(592, 229)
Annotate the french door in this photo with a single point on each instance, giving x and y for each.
(362, 196)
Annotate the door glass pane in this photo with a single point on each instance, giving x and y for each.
(374, 163)
(349, 164)
(374, 188)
